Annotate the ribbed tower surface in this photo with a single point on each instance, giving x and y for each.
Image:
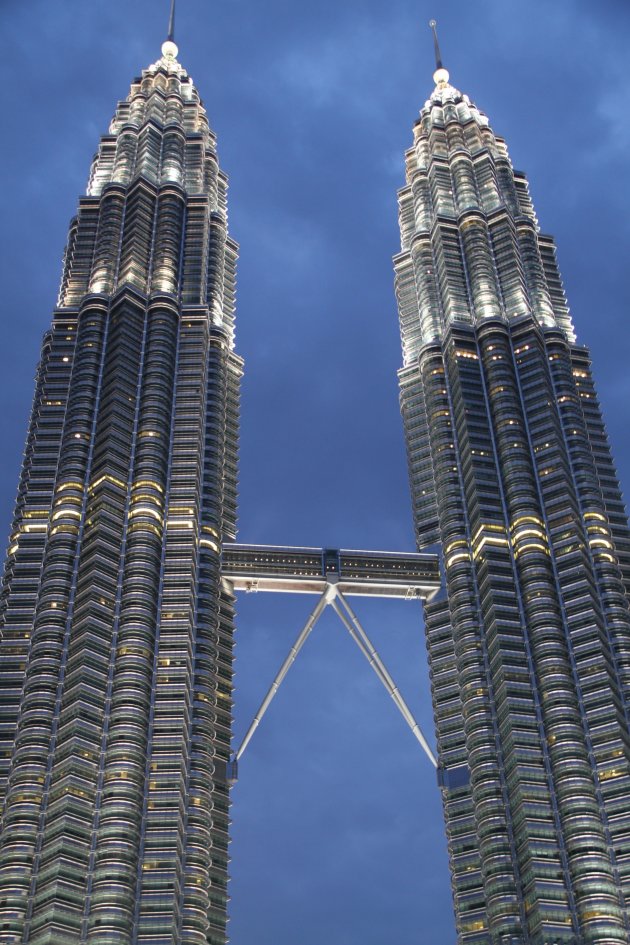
(511, 472)
(117, 635)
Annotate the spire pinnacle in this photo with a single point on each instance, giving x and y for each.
(169, 49)
(440, 76)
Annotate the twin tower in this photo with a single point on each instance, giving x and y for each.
(117, 607)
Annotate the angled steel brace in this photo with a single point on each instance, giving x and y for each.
(360, 637)
(333, 596)
(325, 599)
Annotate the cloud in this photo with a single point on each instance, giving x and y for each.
(339, 65)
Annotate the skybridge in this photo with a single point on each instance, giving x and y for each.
(280, 569)
(333, 574)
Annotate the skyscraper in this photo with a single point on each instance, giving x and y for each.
(115, 710)
(19, 854)
(510, 470)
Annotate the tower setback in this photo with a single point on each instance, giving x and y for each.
(115, 710)
(510, 470)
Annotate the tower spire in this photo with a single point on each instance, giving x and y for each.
(436, 45)
(169, 48)
(440, 76)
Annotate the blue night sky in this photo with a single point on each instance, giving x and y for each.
(337, 833)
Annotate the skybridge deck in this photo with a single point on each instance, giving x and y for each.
(309, 570)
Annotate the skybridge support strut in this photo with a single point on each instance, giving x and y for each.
(360, 637)
(284, 669)
(333, 596)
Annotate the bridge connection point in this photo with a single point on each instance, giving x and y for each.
(232, 771)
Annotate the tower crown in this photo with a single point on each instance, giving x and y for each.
(470, 236)
(155, 177)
